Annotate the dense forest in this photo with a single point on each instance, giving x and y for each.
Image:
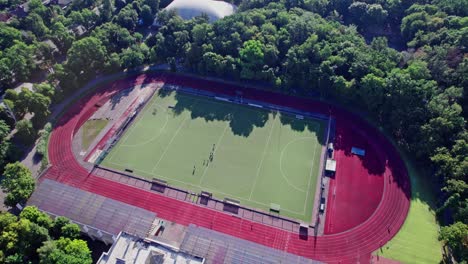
(405, 63)
(34, 237)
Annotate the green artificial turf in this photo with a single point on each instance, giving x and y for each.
(91, 129)
(416, 242)
(259, 157)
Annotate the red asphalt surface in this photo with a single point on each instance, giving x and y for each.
(367, 209)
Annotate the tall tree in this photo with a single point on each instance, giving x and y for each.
(127, 18)
(5, 144)
(86, 56)
(64, 251)
(25, 131)
(146, 15)
(456, 237)
(134, 56)
(8, 35)
(445, 121)
(33, 214)
(6, 73)
(26, 240)
(106, 10)
(114, 37)
(39, 105)
(18, 183)
(252, 59)
(21, 60)
(37, 7)
(61, 36)
(153, 4)
(34, 23)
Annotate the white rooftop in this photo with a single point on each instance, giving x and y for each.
(330, 165)
(131, 249)
(189, 9)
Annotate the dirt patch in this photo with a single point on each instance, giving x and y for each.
(91, 129)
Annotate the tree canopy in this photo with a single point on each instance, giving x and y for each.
(86, 56)
(17, 183)
(28, 239)
(5, 143)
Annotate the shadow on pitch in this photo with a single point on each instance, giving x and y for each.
(301, 125)
(242, 120)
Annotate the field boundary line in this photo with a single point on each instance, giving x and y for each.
(164, 177)
(253, 201)
(170, 142)
(212, 190)
(310, 177)
(259, 166)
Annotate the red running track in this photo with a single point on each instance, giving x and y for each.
(357, 187)
(369, 207)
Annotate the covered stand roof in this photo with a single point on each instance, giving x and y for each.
(189, 9)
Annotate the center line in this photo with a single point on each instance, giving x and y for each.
(214, 151)
(262, 159)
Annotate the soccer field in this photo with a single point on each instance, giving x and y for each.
(252, 155)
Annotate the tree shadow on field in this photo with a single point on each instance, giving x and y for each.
(165, 92)
(242, 120)
(301, 125)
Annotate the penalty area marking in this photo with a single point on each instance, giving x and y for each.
(127, 133)
(172, 139)
(154, 137)
(139, 117)
(281, 162)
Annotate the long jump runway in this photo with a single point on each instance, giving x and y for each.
(367, 208)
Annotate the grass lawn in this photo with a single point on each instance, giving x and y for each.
(258, 157)
(416, 242)
(91, 129)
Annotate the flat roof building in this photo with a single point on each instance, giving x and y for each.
(330, 165)
(132, 249)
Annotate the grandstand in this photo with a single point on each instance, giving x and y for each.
(220, 248)
(99, 217)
